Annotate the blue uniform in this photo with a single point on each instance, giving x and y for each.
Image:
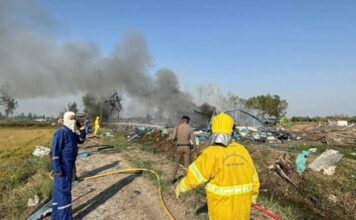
(64, 152)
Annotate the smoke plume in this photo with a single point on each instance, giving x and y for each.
(33, 63)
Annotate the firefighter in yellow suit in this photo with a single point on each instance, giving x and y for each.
(228, 173)
(96, 125)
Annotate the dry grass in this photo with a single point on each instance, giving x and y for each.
(22, 175)
(17, 144)
(316, 188)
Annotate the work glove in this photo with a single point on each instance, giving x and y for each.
(179, 189)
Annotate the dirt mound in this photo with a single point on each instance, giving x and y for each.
(157, 138)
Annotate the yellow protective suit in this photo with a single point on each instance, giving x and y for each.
(96, 125)
(231, 180)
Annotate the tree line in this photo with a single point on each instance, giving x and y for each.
(111, 106)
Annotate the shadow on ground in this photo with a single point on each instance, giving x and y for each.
(99, 169)
(84, 209)
(202, 209)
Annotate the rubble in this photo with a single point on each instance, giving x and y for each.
(266, 134)
(33, 201)
(329, 170)
(329, 134)
(202, 136)
(283, 166)
(313, 150)
(342, 123)
(41, 151)
(332, 198)
(285, 163)
(326, 159)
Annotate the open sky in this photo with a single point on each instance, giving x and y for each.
(304, 51)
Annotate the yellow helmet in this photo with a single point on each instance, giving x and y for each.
(222, 124)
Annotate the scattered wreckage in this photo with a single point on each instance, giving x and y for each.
(330, 134)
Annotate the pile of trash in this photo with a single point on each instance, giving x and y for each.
(41, 151)
(330, 134)
(325, 163)
(159, 136)
(151, 136)
(256, 134)
(266, 134)
(140, 132)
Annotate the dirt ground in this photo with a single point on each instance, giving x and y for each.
(128, 196)
(132, 196)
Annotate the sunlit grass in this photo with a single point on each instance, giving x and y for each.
(22, 175)
(17, 144)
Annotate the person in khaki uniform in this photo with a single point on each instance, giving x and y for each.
(184, 134)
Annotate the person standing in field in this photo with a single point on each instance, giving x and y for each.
(96, 125)
(64, 153)
(184, 135)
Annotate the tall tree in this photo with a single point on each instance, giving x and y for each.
(268, 104)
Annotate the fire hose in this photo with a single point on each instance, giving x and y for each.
(266, 212)
(257, 207)
(164, 206)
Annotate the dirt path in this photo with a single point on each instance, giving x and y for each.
(132, 196)
(128, 196)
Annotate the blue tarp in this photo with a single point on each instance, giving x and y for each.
(301, 161)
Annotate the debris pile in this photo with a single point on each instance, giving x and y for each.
(159, 137)
(266, 134)
(41, 151)
(330, 134)
(155, 136)
(326, 162)
(33, 201)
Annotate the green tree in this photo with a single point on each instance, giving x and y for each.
(73, 107)
(285, 122)
(268, 104)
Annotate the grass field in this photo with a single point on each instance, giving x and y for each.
(22, 175)
(17, 144)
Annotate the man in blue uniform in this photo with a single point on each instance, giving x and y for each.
(64, 152)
